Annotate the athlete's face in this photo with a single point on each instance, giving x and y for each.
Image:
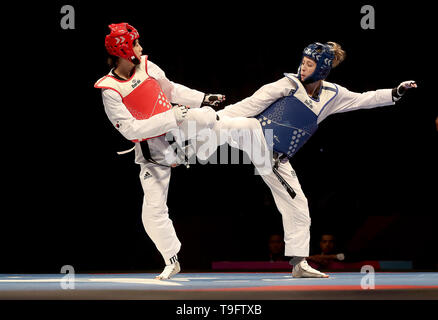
(138, 50)
(307, 68)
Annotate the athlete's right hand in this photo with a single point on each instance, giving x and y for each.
(180, 113)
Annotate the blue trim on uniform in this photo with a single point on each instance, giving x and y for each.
(320, 90)
(337, 91)
(329, 88)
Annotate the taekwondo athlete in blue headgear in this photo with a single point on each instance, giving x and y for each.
(293, 118)
(292, 108)
(323, 55)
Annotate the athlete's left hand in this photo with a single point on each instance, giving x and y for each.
(406, 85)
(398, 92)
(213, 99)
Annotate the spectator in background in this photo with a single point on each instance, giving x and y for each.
(276, 248)
(327, 253)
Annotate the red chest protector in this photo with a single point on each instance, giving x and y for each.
(141, 94)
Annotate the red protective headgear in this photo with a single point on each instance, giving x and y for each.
(121, 41)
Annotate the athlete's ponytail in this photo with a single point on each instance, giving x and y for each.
(339, 53)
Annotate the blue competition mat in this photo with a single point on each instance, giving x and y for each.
(131, 285)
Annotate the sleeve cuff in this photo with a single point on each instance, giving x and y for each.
(385, 97)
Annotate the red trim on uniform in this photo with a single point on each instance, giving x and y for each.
(135, 70)
(110, 89)
(96, 85)
(122, 81)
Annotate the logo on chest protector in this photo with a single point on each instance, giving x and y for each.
(147, 175)
(135, 83)
(308, 103)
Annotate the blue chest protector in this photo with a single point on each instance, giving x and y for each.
(292, 120)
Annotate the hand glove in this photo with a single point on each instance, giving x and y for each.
(398, 92)
(180, 113)
(213, 99)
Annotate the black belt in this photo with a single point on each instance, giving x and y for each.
(277, 159)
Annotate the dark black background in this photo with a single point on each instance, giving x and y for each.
(369, 175)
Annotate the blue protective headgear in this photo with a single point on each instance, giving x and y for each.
(323, 55)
